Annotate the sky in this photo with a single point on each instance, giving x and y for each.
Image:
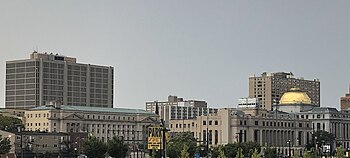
(195, 49)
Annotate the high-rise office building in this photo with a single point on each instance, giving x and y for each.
(47, 77)
(345, 101)
(269, 87)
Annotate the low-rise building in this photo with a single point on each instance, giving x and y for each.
(30, 144)
(103, 123)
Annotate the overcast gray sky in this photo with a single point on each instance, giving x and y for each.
(196, 49)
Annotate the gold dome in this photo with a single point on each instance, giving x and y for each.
(295, 96)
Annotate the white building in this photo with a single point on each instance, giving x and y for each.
(178, 108)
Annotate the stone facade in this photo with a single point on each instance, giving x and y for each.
(104, 123)
(236, 125)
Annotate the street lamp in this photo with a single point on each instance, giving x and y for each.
(289, 146)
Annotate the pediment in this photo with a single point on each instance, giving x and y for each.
(148, 119)
(73, 116)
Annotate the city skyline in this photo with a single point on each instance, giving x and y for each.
(197, 50)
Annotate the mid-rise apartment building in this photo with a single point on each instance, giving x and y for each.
(103, 123)
(178, 108)
(46, 77)
(269, 87)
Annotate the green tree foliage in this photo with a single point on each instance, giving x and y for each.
(340, 152)
(67, 150)
(221, 153)
(117, 148)
(295, 156)
(270, 152)
(216, 151)
(306, 154)
(9, 123)
(5, 145)
(184, 152)
(239, 153)
(256, 154)
(320, 138)
(177, 143)
(94, 148)
(247, 148)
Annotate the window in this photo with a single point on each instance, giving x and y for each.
(210, 122)
(216, 123)
(204, 123)
(256, 122)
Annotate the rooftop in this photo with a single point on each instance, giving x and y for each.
(94, 109)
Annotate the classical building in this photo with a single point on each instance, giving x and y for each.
(46, 77)
(236, 125)
(103, 123)
(297, 103)
(35, 144)
(345, 101)
(269, 87)
(294, 100)
(178, 108)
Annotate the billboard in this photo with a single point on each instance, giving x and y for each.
(154, 137)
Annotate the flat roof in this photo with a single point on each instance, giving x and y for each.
(94, 109)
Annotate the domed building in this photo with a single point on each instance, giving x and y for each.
(293, 101)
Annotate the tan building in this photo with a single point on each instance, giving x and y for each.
(35, 143)
(46, 77)
(345, 101)
(16, 113)
(104, 123)
(269, 87)
(239, 125)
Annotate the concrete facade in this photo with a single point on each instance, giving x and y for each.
(48, 77)
(179, 109)
(269, 87)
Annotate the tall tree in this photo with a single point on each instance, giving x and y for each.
(176, 144)
(320, 138)
(247, 148)
(5, 145)
(117, 148)
(9, 123)
(255, 154)
(94, 148)
(340, 152)
(184, 152)
(270, 152)
(221, 153)
(306, 154)
(239, 153)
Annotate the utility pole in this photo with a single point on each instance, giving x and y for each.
(164, 130)
(207, 133)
